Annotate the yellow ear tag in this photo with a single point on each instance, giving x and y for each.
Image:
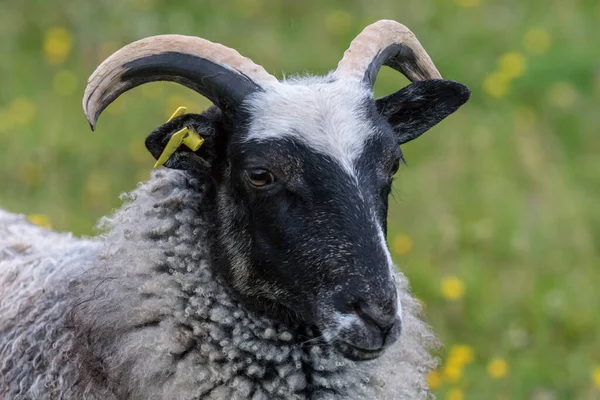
(185, 136)
(178, 113)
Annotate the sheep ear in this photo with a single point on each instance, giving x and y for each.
(183, 157)
(417, 107)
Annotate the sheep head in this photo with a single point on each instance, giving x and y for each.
(300, 171)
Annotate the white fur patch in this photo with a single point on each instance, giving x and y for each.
(342, 321)
(390, 262)
(327, 116)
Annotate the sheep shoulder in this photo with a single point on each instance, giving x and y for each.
(37, 266)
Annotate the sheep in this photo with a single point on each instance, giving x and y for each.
(255, 267)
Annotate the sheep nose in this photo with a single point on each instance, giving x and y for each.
(378, 320)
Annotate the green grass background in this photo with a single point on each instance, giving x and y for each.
(502, 197)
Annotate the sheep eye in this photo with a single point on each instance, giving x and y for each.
(259, 177)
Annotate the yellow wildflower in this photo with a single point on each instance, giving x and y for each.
(512, 65)
(454, 394)
(402, 244)
(453, 372)
(22, 111)
(562, 94)
(461, 354)
(468, 3)
(64, 82)
(596, 377)
(57, 46)
(453, 288)
(434, 380)
(496, 84)
(537, 40)
(497, 368)
(40, 220)
(338, 22)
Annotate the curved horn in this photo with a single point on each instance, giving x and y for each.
(217, 72)
(388, 43)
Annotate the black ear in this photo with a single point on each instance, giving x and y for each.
(184, 158)
(417, 107)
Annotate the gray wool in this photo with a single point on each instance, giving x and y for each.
(136, 313)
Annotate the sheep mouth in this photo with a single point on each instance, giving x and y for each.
(355, 353)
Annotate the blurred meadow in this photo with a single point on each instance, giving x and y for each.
(496, 217)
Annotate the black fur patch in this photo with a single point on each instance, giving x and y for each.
(184, 158)
(416, 108)
(313, 234)
(376, 166)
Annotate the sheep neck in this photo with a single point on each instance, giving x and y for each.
(168, 324)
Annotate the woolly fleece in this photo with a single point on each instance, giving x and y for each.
(136, 313)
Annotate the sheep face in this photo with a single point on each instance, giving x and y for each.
(298, 172)
(301, 209)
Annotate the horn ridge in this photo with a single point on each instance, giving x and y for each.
(218, 72)
(390, 43)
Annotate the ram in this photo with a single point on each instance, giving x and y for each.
(252, 267)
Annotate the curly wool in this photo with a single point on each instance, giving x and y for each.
(137, 313)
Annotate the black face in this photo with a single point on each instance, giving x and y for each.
(306, 237)
(299, 234)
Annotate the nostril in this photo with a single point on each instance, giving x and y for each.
(383, 322)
